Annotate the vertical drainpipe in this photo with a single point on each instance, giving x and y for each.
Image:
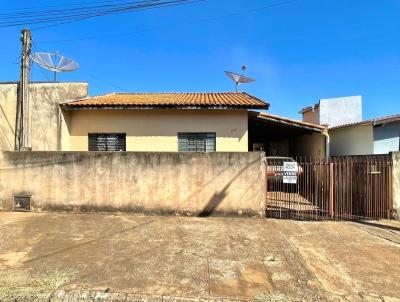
(327, 142)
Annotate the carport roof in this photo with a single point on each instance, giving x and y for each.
(263, 116)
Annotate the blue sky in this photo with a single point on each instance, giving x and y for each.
(298, 52)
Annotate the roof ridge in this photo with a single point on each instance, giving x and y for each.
(174, 92)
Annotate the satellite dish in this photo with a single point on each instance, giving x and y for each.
(54, 62)
(239, 78)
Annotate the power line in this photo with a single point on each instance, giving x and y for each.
(82, 9)
(62, 5)
(253, 10)
(85, 12)
(105, 14)
(81, 13)
(60, 10)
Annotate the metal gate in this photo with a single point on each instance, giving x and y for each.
(343, 188)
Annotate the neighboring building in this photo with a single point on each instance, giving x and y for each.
(47, 129)
(374, 136)
(349, 134)
(334, 111)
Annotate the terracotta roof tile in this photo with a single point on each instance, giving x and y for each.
(223, 99)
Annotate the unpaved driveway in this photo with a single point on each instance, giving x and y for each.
(237, 258)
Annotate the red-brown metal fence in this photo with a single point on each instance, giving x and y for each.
(342, 188)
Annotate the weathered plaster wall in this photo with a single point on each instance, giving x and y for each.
(49, 126)
(151, 182)
(154, 130)
(386, 138)
(396, 182)
(310, 145)
(312, 116)
(8, 108)
(355, 140)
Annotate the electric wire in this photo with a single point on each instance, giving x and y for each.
(59, 6)
(85, 9)
(81, 13)
(89, 17)
(253, 10)
(90, 14)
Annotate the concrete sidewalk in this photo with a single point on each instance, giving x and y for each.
(163, 258)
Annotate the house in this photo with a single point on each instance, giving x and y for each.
(62, 117)
(373, 136)
(160, 122)
(349, 134)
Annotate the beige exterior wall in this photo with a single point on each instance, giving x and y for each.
(48, 129)
(8, 108)
(310, 145)
(355, 140)
(311, 116)
(156, 130)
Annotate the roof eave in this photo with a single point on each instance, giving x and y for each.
(309, 108)
(67, 106)
(289, 122)
(351, 125)
(304, 110)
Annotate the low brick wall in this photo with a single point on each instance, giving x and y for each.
(187, 183)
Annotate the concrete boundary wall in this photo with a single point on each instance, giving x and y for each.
(186, 183)
(396, 182)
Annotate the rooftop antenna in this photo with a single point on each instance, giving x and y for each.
(239, 78)
(54, 62)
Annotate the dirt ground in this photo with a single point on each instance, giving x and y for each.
(210, 258)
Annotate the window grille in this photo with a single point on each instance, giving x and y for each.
(196, 142)
(107, 141)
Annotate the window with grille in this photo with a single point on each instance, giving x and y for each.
(196, 142)
(107, 141)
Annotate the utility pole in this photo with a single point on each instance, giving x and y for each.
(22, 118)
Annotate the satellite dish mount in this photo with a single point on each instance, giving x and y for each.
(239, 78)
(54, 62)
